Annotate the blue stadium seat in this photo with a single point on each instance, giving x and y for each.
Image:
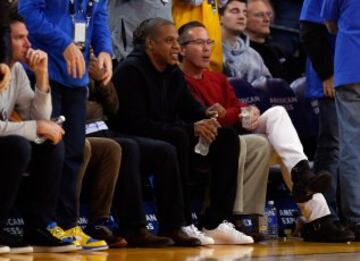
(250, 95)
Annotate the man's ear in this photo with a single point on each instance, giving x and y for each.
(221, 20)
(182, 51)
(149, 43)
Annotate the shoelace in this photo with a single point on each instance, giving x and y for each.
(80, 233)
(58, 232)
(196, 231)
(230, 228)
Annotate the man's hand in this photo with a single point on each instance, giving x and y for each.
(206, 129)
(332, 27)
(50, 130)
(328, 87)
(216, 107)
(94, 70)
(5, 76)
(254, 115)
(105, 64)
(74, 61)
(37, 61)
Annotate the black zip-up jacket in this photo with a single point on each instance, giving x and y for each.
(152, 102)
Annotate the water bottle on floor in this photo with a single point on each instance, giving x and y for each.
(272, 220)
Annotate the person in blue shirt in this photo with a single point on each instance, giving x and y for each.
(319, 45)
(342, 17)
(66, 30)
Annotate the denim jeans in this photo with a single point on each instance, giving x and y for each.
(348, 107)
(38, 192)
(70, 102)
(327, 151)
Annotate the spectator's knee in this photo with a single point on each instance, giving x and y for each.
(180, 137)
(165, 151)
(20, 148)
(112, 150)
(278, 110)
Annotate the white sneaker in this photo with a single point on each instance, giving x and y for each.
(226, 234)
(193, 231)
(4, 249)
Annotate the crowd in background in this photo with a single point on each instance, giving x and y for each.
(96, 96)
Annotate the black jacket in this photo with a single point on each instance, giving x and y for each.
(315, 38)
(152, 102)
(279, 64)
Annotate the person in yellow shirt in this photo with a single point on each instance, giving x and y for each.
(206, 12)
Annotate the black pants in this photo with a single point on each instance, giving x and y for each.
(40, 192)
(223, 163)
(141, 157)
(70, 102)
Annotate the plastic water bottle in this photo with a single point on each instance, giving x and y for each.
(202, 147)
(58, 120)
(272, 220)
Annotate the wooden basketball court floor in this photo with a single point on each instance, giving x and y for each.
(291, 249)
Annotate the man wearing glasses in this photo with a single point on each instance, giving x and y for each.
(215, 91)
(154, 102)
(280, 64)
(240, 60)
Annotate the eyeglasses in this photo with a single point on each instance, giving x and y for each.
(201, 42)
(262, 15)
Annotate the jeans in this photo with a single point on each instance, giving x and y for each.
(40, 190)
(70, 102)
(141, 157)
(327, 151)
(348, 107)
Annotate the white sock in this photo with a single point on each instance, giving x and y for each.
(314, 208)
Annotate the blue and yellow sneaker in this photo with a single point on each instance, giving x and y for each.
(49, 239)
(85, 241)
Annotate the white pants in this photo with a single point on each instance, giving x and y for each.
(276, 125)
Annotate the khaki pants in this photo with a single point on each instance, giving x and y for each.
(252, 174)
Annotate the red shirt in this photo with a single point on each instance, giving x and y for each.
(215, 88)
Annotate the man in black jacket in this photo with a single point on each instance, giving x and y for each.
(154, 102)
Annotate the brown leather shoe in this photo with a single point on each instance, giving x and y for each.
(142, 237)
(182, 239)
(104, 233)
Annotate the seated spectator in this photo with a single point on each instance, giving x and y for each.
(155, 102)
(140, 157)
(280, 64)
(205, 11)
(240, 60)
(125, 16)
(102, 158)
(213, 88)
(19, 153)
